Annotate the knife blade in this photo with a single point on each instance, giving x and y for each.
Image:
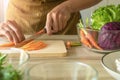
(32, 37)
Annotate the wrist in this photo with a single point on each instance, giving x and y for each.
(68, 6)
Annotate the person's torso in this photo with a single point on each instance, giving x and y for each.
(30, 14)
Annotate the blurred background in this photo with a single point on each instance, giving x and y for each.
(85, 13)
(3, 6)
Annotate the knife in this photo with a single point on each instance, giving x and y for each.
(32, 37)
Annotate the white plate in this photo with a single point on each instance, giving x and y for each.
(108, 62)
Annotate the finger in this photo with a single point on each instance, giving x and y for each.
(2, 25)
(11, 34)
(55, 22)
(48, 25)
(1, 28)
(19, 33)
(7, 35)
(14, 26)
(5, 32)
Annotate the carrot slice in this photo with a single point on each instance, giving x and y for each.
(34, 45)
(9, 44)
(27, 45)
(35, 48)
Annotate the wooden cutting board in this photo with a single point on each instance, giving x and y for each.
(55, 48)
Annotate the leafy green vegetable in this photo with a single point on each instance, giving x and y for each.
(80, 24)
(8, 72)
(103, 15)
(109, 36)
(2, 58)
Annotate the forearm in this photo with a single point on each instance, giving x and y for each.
(76, 5)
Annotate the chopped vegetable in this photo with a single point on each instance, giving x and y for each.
(27, 45)
(111, 26)
(9, 44)
(31, 45)
(103, 15)
(24, 42)
(34, 45)
(109, 36)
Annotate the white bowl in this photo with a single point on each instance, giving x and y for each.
(109, 64)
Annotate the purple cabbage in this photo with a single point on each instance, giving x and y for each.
(109, 36)
(111, 26)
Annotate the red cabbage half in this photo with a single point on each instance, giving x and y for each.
(109, 36)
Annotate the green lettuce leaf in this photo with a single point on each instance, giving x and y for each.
(103, 15)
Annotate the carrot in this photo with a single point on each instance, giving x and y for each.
(68, 44)
(35, 48)
(34, 45)
(23, 43)
(28, 44)
(91, 39)
(9, 44)
(84, 40)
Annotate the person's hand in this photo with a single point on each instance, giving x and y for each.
(57, 19)
(11, 31)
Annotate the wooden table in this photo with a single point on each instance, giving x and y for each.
(79, 53)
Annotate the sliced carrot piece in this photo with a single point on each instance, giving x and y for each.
(9, 44)
(34, 45)
(28, 44)
(35, 48)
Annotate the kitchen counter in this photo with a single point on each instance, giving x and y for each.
(81, 54)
